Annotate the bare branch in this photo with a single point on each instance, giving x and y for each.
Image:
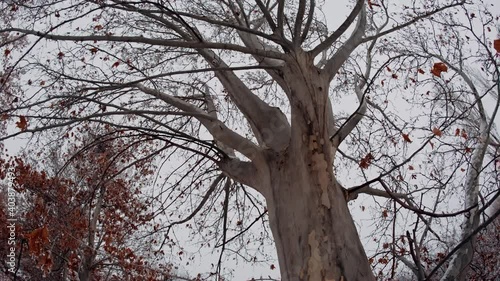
(150, 41)
(342, 28)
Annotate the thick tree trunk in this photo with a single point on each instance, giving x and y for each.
(315, 235)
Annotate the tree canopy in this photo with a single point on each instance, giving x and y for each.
(360, 151)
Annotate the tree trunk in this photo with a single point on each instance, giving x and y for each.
(314, 233)
(315, 236)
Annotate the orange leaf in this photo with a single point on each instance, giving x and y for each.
(437, 132)
(37, 240)
(406, 138)
(439, 67)
(22, 123)
(496, 45)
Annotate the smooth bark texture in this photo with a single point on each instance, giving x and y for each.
(315, 236)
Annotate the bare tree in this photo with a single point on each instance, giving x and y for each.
(242, 91)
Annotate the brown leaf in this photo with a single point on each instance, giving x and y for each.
(406, 138)
(496, 45)
(384, 213)
(457, 132)
(437, 132)
(439, 67)
(366, 161)
(22, 123)
(421, 71)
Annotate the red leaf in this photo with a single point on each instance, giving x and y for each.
(273, 267)
(406, 138)
(116, 64)
(395, 76)
(6, 52)
(371, 4)
(464, 134)
(93, 51)
(457, 132)
(22, 123)
(496, 45)
(411, 168)
(60, 55)
(439, 67)
(366, 161)
(98, 27)
(421, 71)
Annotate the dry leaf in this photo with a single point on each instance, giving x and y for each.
(22, 123)
(439, 67)
(406, 138)
(437, 132)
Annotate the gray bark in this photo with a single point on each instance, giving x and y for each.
(315, 236)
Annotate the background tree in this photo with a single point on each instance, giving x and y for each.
(242, 92)
(83, 218)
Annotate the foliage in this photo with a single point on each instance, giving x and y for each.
(223, 101)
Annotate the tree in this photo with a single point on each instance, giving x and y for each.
(242, 91)
(81, 219)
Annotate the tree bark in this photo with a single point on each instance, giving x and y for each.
(315, 236)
